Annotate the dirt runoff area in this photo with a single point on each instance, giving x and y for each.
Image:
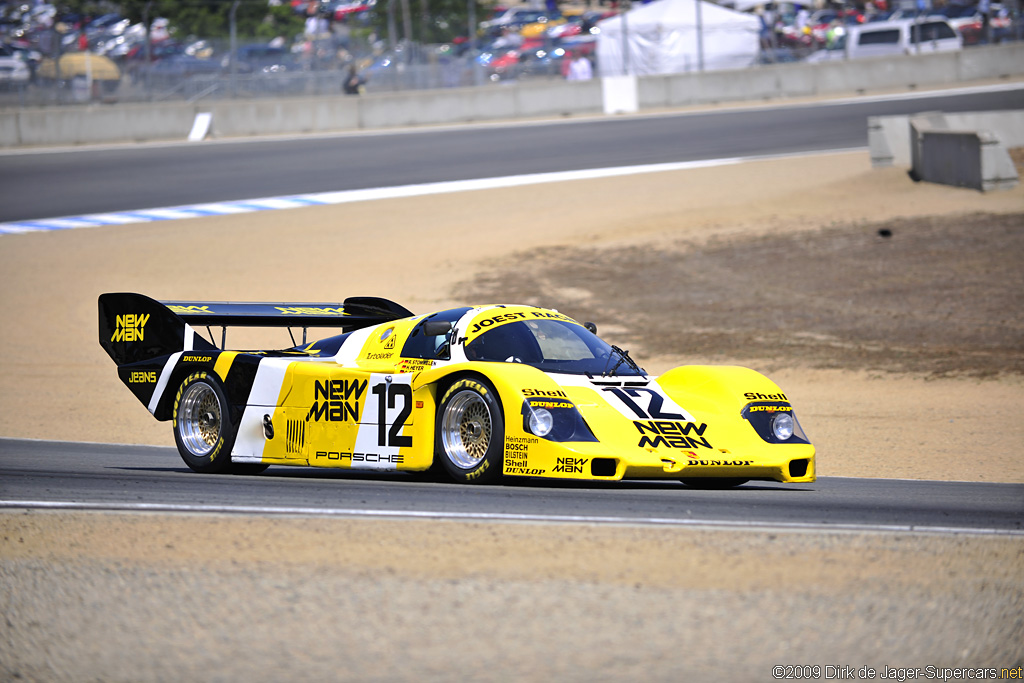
(889, 311)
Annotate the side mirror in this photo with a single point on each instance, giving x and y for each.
(591, 326)
(435, 328)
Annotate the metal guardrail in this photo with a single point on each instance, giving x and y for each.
(162, 85)
(140, 86)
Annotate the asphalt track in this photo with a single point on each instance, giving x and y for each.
(62, 475)
(135, 177)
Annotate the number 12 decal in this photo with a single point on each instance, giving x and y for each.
(386, 395)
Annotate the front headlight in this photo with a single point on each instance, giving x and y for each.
(541, 421)
(775, 422)
(782, 426)
(555, 419)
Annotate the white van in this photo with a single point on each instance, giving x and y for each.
(896, 37)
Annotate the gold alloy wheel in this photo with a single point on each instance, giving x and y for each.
(199, 419)
(466, 429)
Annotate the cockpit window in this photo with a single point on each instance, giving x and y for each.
(420, 345)
(549, 345)
(558, 342)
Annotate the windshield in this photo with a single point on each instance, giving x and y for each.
(550, 345)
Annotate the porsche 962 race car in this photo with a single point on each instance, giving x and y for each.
(477, 392)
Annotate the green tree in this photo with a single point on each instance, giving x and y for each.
(439, 21)
(202, 18)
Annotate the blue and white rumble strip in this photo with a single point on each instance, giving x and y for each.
(149, 215)
(341, 197)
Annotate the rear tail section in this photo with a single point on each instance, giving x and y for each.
(141, 335)
(136, 329)
(146, 338)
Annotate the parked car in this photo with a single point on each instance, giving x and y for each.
(341, 10)
(179, 66)
(957, 15)
(512, 19)
(585, 23)
(261, 58)
(542, 62)
(969, 21)
(821, 20)
(80, 67)
(889, 38)
(14, 71)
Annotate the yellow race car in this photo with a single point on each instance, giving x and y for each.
(479, 393)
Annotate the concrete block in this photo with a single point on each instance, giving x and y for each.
(949, 158)
(889, 141)
(793, 80)
(619, 95)
(974, 159)
(456, 105)
(652, 91)
(559, 98)
(685, 90)
(335, 113)
(992, 61)
(919, 125)
(486, 104)
(998, 171)
(892, 139)
(882, 154)
(1008, 125)
(10, 128)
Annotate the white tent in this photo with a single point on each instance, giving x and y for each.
(662, 39)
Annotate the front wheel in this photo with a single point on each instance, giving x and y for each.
(203, 430)
(470, 432)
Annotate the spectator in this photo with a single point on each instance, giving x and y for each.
(509, 40)
(580, 69)
(802, 17)
(354, 83)
(985, 7)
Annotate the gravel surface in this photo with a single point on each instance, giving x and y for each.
(145, 598)
(933, 295)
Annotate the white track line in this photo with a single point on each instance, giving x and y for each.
(506, 517)
(372, 194)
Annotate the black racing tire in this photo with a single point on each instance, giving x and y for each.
(713, 483)
(203, 429)
(470, 432)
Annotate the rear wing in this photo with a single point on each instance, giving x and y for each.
(354, 313)
(134, 327)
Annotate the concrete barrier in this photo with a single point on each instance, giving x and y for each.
(964, 159)
(971, 158)
(890, 137)
(73, 125)
(98, 124)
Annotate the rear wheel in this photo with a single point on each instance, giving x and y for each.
(713, 482)
(203, 430)
(470, 432)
